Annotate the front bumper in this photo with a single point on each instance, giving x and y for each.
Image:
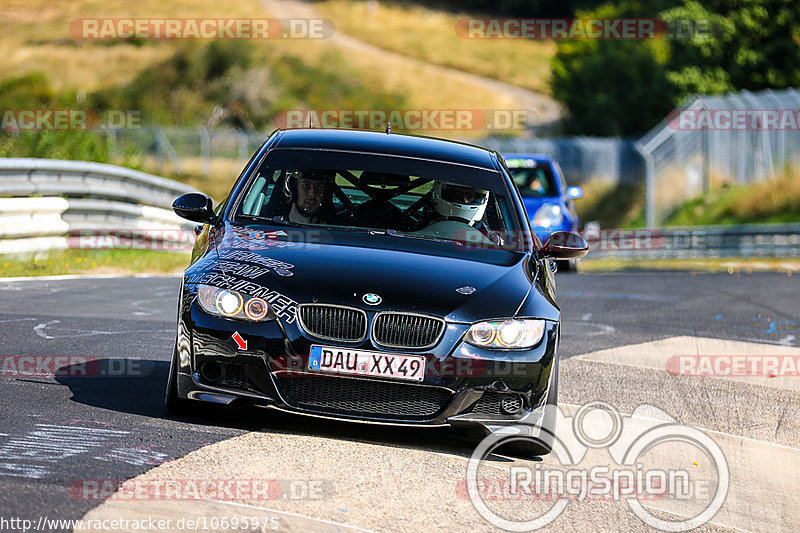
(463, 385)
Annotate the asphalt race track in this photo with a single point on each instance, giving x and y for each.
(63, 429)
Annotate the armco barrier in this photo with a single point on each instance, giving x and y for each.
(744, 241)
(44, 200)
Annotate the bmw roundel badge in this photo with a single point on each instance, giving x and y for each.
(372, 299)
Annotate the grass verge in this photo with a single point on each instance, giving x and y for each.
(622, 206)
(613, 206)
(54, 263)
(430, 35)
(772, 201)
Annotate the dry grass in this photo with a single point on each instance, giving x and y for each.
(431, 36)
(612, 205)
(774, 200)
(762, 200)
(35, 36)
(424, 87)
(76, 67)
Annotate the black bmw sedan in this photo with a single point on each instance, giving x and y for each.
(373, 277)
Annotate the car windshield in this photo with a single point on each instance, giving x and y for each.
(402, 196)
(533, 178)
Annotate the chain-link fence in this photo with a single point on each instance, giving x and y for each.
(186, 150)
(582, 159)
(203, 151)
(736, 138)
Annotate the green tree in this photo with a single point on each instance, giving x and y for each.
(626, 87)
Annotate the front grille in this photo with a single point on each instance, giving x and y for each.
(496, 403)
(489, 404)
(234, 378)
(405, 330)
(333, 322)
(363, 397)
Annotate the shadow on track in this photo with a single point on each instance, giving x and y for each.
(136, 386)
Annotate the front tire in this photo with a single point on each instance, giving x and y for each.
(175, 405)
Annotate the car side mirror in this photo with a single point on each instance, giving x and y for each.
(574, 192)
(564, 245)
(195, 207)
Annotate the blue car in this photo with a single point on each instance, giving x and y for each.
(547, 199)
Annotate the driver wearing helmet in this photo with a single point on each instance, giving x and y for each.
(456, 202)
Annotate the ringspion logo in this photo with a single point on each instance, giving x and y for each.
(600, 454)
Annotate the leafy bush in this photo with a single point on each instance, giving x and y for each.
(626, 87)
(48, 144)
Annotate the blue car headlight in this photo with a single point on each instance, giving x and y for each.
(548, 216)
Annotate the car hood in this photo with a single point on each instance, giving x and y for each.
(404, 280)
(532, 203)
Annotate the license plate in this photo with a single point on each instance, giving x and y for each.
(360, 363)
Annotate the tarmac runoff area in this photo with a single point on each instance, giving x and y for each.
(355, 485)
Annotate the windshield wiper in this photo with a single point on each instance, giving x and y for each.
(278, 220)
(395, 233)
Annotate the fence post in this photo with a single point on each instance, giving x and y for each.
(205, 148)
(649, 192)
(243, 153)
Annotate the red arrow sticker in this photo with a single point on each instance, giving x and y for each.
(240, 341)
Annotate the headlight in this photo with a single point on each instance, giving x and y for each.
(509, 334)
(547, 216)
(231, 304)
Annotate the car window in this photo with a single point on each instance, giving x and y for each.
(536, 180)
(380, 193)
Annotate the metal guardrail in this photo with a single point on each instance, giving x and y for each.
(744, 241)
(43, 201)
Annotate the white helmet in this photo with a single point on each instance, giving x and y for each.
(460, 201)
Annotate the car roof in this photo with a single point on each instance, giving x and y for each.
(382, 143)
(536, 157)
